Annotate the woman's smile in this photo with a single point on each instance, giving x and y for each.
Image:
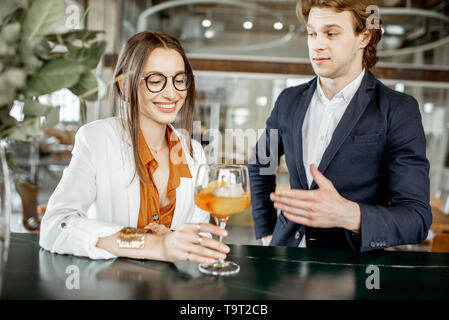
(166, 107)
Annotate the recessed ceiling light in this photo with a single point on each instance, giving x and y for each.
(399, 87)
(428, 107)
(247, 25)
(206, 23)
(278, 25)
(262, 101)
(395, 30)
(209, 34)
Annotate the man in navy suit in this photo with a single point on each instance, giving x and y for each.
(355, 149)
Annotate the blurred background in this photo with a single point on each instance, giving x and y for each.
(244, 53)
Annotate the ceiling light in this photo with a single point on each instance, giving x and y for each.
(399, 87)
(428, 107)
(278, 25)
(262, 101)
(206, 23)
(241, 116)
(395, 30)
(209, 34)
(247, 25)
(392, 42)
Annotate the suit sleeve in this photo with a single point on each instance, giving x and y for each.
(66, 227)
(408, 217)
(262, 168)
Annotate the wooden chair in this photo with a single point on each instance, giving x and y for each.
(440, 243)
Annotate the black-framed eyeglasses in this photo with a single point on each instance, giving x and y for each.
(156, 82)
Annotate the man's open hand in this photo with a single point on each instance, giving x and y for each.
(320, 208)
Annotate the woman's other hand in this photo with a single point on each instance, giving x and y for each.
(187, 244)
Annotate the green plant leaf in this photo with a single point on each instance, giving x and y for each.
(26, 129)
(54, 75)
(6, 121)
(76, 53)
(11, 32)
(33, 108)
(52, 118)
(28, 57)
(86, 83)
(3, 47)
(36, 109)
(96, 51)
(43, 17)
(90, 56)
(17, 134)
(9, 6)
(43, 49)
(7, 92)
(72, 35)
(15, 76)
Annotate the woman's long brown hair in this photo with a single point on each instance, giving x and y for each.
(131, 63)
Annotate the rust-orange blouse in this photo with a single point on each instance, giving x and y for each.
(149, 195)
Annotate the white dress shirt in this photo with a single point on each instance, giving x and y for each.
(321, 119)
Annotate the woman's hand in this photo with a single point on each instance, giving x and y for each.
(187, 244)
(157, 229)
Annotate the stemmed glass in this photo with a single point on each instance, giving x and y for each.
(222, 190)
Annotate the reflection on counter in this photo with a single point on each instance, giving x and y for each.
(121, 278)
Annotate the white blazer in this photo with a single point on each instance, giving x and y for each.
(99, 192)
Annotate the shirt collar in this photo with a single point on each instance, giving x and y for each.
(145, 154)
(347, 93)
(177, 164)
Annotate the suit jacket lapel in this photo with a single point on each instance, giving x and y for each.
(303, 105)
(351, 116)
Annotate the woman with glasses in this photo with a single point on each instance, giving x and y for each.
(128, 190)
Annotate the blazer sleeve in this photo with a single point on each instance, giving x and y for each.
(66, 227)
(408, 217)
(262, 167)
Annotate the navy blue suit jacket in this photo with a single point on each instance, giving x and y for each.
(376, 157)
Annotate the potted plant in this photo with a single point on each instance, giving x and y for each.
(34, 61)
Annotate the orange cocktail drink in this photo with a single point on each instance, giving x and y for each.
(222, 207)
(221, 190)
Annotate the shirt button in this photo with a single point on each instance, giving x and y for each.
(297, 235)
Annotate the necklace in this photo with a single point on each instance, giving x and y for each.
(156, 151)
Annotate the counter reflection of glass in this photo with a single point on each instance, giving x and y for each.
(222, 190)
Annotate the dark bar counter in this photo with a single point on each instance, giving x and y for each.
(267, 273)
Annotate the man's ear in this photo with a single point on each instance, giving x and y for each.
(365, 38)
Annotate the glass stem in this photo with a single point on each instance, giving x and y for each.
(221, 222)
